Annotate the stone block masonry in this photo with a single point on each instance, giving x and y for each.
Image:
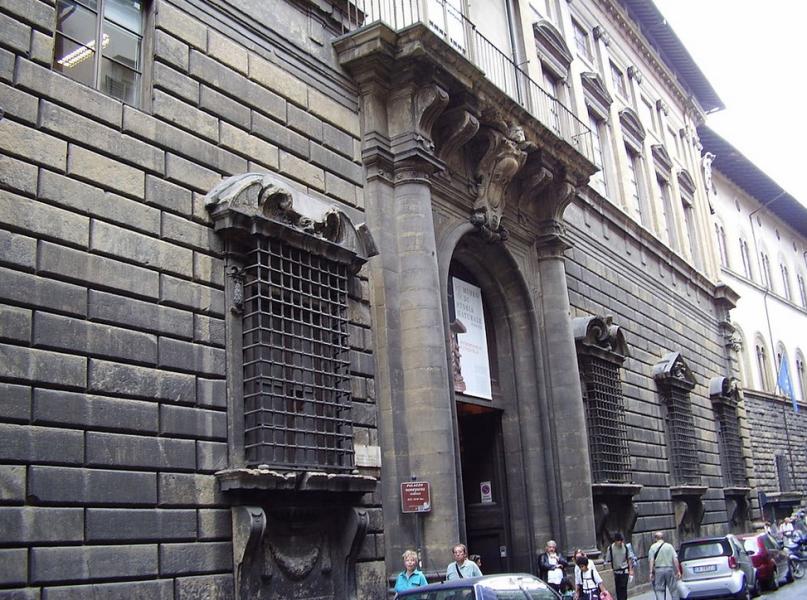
(113, 346)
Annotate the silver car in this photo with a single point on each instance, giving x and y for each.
(716, 567)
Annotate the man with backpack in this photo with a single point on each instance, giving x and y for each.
(618, 555)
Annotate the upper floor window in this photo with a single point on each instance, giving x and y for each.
(100, 43)
(582, 41)
(802, 290)
(720, 234)
(618, 79)
(801, 375)
(745, 254)
(668, 217)
(767, 280)
(762, 365)
(687, 185)
(597, 126)
(785, 281)
(635, 187)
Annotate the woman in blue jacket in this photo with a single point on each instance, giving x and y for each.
(410, 577)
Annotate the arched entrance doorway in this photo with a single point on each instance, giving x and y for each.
(501, 480)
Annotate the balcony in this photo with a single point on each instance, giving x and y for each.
(448, 22)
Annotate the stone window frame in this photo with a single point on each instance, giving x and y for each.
(601, 346)
(248, 207)
(146, 37)
(675, 382)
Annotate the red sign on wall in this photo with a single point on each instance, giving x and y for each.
(416, 497)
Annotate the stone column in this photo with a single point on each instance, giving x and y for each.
(566, 423)
(413, 380)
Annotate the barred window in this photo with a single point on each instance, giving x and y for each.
(605, 417)
(601, 349)
(296, 360)
(730, 443)
(675, 381)
(783, 473)
(681, 434)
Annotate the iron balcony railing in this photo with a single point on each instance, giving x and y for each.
(447, 21)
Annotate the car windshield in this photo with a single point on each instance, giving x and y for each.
(705, 549)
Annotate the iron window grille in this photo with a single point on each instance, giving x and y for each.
(605, 418)
(675, 381)
(783, 473)
(681, 433)
(297, 402)
(601, 350)
(731, 442)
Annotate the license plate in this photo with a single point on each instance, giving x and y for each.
(704, 569)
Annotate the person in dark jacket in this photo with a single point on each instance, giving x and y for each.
(551, 565)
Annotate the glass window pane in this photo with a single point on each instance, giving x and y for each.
(120, 45)
(126, 13)
(119, 82)
(74, 60)
(76, 22)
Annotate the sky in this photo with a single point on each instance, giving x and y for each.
(755, 56)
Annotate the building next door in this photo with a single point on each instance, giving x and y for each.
(484, 485)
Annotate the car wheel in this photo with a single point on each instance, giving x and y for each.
(756, 590)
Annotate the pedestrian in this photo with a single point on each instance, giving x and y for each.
(410, 577)
(618, 556)
(477, 559)
(787, 528)
(551, 565)
(461, 567)
(664, 568)
(587, 580)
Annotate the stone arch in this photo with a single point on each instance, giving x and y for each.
(512, 315)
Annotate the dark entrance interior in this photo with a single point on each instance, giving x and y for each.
(484, 485)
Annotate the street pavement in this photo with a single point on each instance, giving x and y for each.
(792, 591)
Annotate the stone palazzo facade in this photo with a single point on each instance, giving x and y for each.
(245, 248)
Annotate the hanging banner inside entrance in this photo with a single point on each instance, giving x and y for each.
(471, 352)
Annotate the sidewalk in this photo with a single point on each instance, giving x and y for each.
(647, 595)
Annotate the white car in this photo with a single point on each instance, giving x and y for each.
(715, 568)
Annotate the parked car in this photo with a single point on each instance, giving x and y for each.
(770, 561)
(511, 586)
(716, 567)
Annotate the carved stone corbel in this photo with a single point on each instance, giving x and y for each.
(430, 101)
(504, 155)
(457, 126)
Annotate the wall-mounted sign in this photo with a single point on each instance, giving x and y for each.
(416, 497)
(486, 491)
(472, 343)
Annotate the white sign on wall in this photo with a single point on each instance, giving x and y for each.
(473, 344)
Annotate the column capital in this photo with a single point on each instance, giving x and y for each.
(551, 240)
